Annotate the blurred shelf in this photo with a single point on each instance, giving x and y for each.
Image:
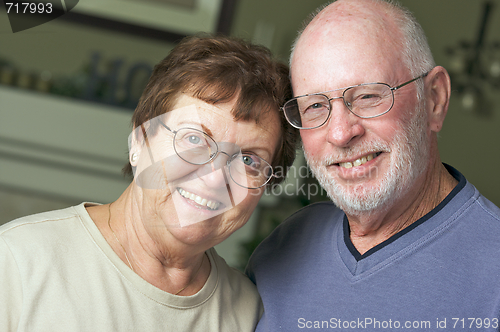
(61, 147)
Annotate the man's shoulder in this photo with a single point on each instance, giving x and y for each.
(309, 226)
(310, 217)
(489, 207)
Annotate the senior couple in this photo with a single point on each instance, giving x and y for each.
(405, 239)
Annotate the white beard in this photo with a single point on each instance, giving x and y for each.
(410, 151)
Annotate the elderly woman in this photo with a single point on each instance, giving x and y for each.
(207, 134)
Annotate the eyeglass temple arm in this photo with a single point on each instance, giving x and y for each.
(147, 141)
(411, 81)
(145, 135)
(166, 127)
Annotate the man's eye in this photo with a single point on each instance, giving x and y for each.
(369, 96)
(316, 107)
(366, 100)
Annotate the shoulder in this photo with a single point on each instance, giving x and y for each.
(232, 277)
(309, 220)
(38, 218)
(467, 202)
(316, 212)
(235, 289)
(301, 233)
(482, 218)
(42, 226)
(489, 208)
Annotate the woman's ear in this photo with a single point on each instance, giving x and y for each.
(135, 146)
(437, 93)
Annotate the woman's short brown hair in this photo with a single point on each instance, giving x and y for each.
(218, 69)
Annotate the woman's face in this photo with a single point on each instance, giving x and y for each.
(196, 202)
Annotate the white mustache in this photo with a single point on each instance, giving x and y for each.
(348, 153)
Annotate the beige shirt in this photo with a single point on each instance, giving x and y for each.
(58, 273)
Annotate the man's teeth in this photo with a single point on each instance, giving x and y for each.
(199, 200)
(359, 161)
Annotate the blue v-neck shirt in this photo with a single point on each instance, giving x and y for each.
(440, 273)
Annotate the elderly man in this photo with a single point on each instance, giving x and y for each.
(408, 242)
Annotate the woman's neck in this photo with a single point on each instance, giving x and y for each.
(158, 258)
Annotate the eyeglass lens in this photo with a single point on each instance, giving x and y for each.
(246, 170)
(249, 170)
(194, 146)
(365, 101)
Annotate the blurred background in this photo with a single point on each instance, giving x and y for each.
(68, 89)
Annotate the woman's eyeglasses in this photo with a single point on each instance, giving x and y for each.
(198, 148)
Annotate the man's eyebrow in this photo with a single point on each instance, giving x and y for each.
(205, 129)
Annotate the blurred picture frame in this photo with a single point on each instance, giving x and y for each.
(168, 20)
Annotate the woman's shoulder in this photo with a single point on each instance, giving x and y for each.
(232, 277)
(40, 222)
(236, 292)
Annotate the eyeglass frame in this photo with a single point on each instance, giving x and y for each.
(214, 155)
(392, 89)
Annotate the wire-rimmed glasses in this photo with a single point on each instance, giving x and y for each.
(198, 148)
(366, 101)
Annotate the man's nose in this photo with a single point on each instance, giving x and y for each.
(343, 126)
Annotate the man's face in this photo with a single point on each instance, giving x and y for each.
(363, 164)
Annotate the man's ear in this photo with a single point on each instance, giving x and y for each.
(437, 93)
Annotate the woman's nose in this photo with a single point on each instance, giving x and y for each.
(215, 173)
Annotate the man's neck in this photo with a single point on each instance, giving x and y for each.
(373, 228)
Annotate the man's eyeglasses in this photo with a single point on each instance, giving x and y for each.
(198, 148)
(366, 101)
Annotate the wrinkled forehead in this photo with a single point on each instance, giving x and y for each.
(195, 114)
(217, 122)
(187, 107)
(192, 115)
(190, 109)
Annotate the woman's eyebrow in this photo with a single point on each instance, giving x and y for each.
(205, 129)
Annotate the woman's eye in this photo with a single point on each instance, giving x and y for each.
(251, 161)
(247, 160)
(193, 139)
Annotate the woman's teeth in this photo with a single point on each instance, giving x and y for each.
(359, 161)
(199, 200)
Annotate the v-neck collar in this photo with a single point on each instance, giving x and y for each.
(406, 240)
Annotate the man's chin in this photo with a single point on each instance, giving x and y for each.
(357, 198)
(360, 204)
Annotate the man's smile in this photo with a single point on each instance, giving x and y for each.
(359, 161)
